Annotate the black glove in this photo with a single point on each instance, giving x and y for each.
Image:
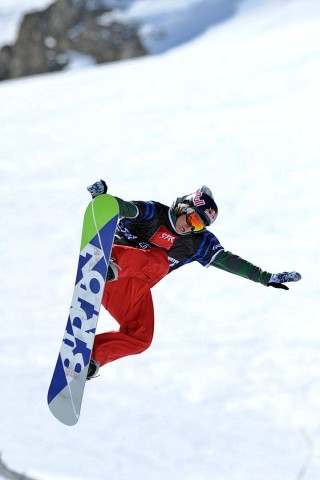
(278, 279)
(98, 188)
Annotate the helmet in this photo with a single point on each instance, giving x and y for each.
(203, 203)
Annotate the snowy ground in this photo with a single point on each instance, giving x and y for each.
(230, 388)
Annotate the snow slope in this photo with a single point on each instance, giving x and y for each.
(230, 388)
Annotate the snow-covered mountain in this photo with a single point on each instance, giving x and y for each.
(230, 388)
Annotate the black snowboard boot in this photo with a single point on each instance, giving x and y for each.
(113, 271)
(93, 369)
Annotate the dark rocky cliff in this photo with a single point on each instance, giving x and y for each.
(46, 39)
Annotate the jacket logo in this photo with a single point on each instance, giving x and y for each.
(163, 238)
(168, 237)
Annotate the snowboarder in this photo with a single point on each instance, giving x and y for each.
(151, 241)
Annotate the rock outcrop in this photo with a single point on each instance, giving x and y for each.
(47, 39)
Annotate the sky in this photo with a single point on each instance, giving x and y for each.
(230, 387)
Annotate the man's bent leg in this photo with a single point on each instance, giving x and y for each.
(129, 301)
(136, 322)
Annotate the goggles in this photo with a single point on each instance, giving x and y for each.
(194, 221)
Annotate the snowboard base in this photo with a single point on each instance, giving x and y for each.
(69, 377)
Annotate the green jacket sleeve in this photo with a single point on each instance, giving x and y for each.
(127, 209)
(233, 264)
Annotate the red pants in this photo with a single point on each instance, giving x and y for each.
(129, 301)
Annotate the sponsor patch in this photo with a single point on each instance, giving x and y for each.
(197, 201)
(210, 213)
(163, 238)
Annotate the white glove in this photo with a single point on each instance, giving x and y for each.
(98, 188)
(277, 279)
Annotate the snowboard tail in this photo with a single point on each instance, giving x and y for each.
(68, 382)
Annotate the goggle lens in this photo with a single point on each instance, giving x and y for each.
(194, 221)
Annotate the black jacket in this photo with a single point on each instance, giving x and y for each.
(150, 224)
(153, 227)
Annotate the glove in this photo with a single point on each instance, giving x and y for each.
(98, 188)
(277, 279)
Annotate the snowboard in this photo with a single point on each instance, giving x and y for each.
(69, 377)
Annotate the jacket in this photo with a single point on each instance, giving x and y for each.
(152, 224)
